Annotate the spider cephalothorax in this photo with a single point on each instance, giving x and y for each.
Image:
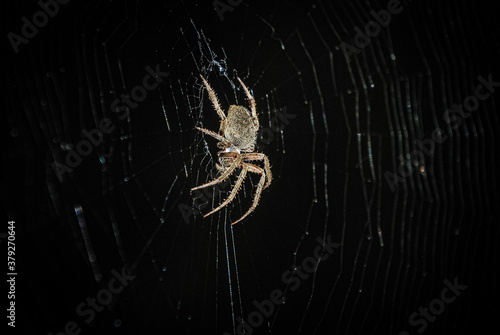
(237, 136)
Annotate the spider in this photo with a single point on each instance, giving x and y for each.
(237, 136)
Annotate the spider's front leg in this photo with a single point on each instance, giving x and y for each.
(213, 98)
(251, 100)
(222, 141)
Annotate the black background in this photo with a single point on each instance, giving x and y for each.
(435, 228)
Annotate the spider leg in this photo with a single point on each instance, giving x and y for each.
(223, 176)
(253, 168)
(212, 133)
(251, 100)
(256, 198)
(267, 167)
(233, 193)
(213, 98)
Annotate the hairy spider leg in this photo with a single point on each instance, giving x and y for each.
(260, 187)
(212, 133)
(233, 193)
(223, 176)
(213, 98)
(257, 157)
(251, 100)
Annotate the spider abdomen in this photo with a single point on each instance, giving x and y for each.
(240, 128)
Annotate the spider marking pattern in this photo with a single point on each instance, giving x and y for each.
(237, 136)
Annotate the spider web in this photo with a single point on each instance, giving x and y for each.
(334, 126)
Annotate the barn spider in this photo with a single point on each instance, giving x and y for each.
(237, 136)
